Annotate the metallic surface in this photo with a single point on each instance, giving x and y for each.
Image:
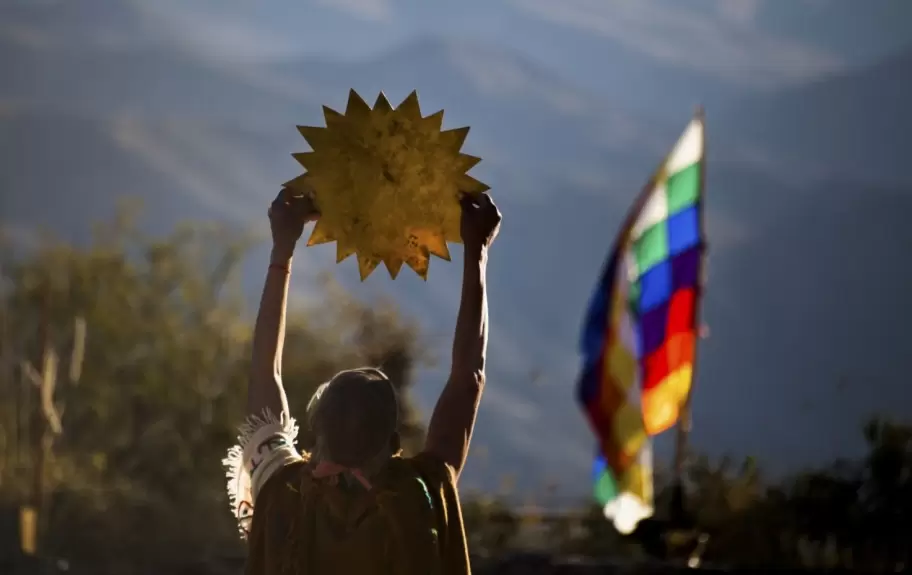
(387, 183)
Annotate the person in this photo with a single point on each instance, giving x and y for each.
(354, 504)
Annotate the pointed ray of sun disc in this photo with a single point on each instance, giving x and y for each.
(357, 108)
(455, 138)
(409, 108)
(321, 234)
(419, 264)
(434, 243)
(437, 246)
(467, 162)
(317, 137)
(382, 104)
(332, 117)
(393, 265)
(306, 159)
(469, 185)
(343, 251)
(366, 265)
(299, 184)
(434, 122)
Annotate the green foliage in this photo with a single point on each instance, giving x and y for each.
(136, 472)
(851, 515)
(134, 479)
(491, 526)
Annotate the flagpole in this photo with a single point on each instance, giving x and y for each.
(684, 419)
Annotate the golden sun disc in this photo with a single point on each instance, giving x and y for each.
(387, 182)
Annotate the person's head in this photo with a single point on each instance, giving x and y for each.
(355, 417)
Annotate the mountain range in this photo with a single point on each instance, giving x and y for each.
(807, 194)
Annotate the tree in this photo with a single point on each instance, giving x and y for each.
(491, 526)
(886, 495)
(136, 478)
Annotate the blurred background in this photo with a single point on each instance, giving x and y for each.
(141, 142)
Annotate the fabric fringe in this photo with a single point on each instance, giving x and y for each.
(236, 461)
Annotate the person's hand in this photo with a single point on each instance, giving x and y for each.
(480, 221)
(288, 214)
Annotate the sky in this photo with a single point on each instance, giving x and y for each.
(749, 42)
(747, 45)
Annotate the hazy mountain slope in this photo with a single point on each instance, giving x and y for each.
(65, 170)
(625, 77)
(90, 22)
(518, 112)
(150, 82)
(811, 299)
(564, 168)
(62, 171)
(856, 125)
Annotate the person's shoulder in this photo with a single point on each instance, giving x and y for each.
(294, 473)
(431, 468)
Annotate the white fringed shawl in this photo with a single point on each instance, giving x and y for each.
(265, 444)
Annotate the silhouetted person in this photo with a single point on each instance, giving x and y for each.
(353, 504)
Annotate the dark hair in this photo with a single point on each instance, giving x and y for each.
(355, 415)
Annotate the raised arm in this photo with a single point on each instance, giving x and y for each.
(450, 430)
(287, 216)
